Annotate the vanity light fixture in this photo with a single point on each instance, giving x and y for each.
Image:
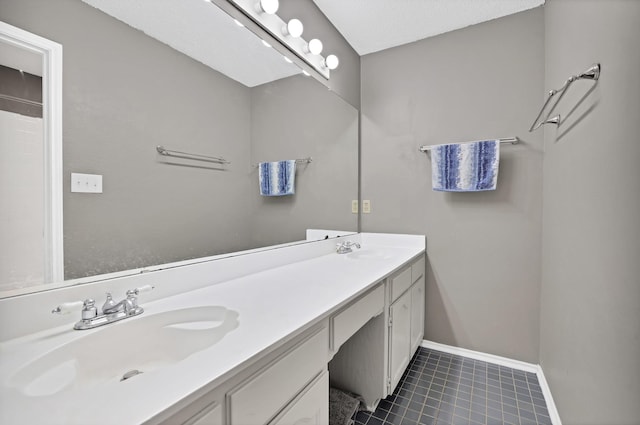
(331, 62)
(294, 28)
(268, 6)
(262, 13)
(315, 46)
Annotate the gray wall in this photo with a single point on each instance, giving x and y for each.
(483, 81)
(285, 124)
(590, 311)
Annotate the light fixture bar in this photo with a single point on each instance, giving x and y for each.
(273, 24)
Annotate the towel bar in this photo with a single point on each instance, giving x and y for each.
(307, 160)
(510, 140)
(593, 73)
(177, 154)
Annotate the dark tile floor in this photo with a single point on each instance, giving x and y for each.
(439, 388)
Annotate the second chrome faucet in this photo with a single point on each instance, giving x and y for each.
(346, 247)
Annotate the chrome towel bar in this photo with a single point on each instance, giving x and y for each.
(509, 140)
(593, 73)
(307, 160)
(185, 155)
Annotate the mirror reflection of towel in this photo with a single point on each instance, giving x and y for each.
(465, 167)
(277, 178)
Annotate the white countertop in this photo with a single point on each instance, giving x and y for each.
(273, 306)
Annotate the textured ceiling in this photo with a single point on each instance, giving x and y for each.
(374, 25)
(204, 32)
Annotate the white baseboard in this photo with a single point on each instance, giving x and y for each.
(548, 398)
(485, 357)
(507, 362)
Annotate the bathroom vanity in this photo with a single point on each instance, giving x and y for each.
(246, 339)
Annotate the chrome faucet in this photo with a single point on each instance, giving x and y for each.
(127, 305)
(346, 247)
(111, 311)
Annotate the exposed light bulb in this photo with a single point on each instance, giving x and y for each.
(287, 60)
(266, 44)
(238, 23)
(306, 74)
(268, 6)
(293, 28)
(315, 46)
(331, 62)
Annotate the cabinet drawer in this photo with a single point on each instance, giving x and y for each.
(400, 283)
(212, 415)
(259, 399)
(347, 322)
(417, 269)
(311, 408)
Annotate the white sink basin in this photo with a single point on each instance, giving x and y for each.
(144, 343)
(368, 254)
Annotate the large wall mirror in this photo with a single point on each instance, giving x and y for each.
(126, 92)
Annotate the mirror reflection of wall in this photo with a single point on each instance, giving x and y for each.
(126, 93)
(22, 262)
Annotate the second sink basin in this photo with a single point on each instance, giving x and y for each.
(368, 254)
(125, 349)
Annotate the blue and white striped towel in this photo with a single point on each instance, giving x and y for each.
(277, 178)
(465, 167)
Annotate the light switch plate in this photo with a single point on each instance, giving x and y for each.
(366, 206)
(86, 183)
(354, 206)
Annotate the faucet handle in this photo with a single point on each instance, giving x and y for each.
(89, 310)
(132, 294)
(66, 308)
(141, 289)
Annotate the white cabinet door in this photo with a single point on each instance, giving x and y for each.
(417, 314)
(399, 338)
(312, 408)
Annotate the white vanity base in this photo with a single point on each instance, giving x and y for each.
(296, 306)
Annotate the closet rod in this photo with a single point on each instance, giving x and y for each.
(510, 140)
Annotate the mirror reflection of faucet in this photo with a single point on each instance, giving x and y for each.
(346, 247)
(111, 311)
